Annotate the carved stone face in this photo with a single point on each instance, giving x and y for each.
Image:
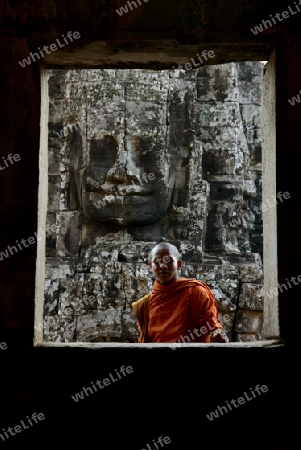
(129, 183)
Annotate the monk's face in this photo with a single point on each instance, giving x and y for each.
(164, 265)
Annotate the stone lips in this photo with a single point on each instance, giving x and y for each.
(139, 205)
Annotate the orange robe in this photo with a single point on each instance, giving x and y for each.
(183, 311)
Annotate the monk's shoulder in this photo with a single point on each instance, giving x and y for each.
(201, 289)
(142, 301)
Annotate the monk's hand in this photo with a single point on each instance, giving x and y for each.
(219, 336)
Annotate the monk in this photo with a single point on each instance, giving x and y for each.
(177, 309)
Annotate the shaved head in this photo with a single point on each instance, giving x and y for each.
(172, 250)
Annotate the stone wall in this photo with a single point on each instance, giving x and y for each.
(195, 138)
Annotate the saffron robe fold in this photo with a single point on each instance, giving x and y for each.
(174, 311)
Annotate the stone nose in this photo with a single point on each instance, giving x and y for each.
(125, 169)
(122, 174)
(117, 173)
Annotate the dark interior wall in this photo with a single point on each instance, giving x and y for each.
(20, 134)
(169, 392)
(156, 33)
(288, 139)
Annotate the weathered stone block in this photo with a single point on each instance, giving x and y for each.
(51, 296)
(251, 296)
(101, 326)
(220, 84)
(69, 233)
(112, 283)
(249, 321)
(251, 273)
(129, 282)
(70, 297)
(109, 122)
(104, 91)
(143, 114)
(249, 82)
(93, 75)
(77, 75)
(250, 114)
(56, 112)
(221, 161)
(76, 89)
(144, 281)
(58, 268)
(246, 337)
(54, 157)
(91, 297)
(227, 322)
(51, 234)
(220, 71)
(199, 202)
(154, 90)
(225, 305)
(58, 329)
(218, 114)
(57, 84)
(54, 193)
(214, 137)
(129, 326)
(75, 112)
